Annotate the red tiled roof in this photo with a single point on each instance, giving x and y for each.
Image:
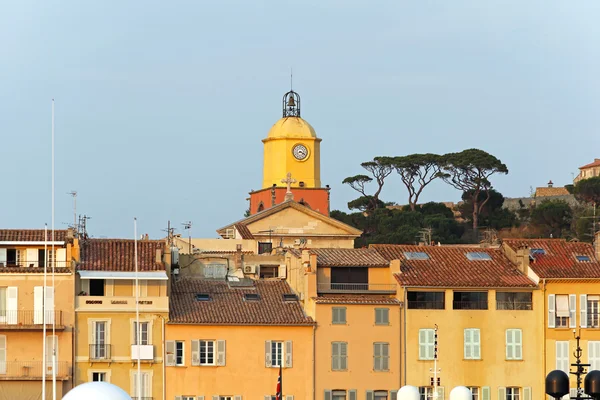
(551, 191)
(448, 266)
(244, 231)
(559, 260)
(31, 235)
(228, 307)
(329, 257)
(355, 299)
(119, 255)
(596, 163)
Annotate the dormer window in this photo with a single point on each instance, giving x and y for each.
(534, 252)
(251, 296)
(202, 297)
(416, 255)
(583, 258)
(478, 256)
(290, 297)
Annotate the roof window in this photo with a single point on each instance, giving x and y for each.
(251, 296)
(478, 256)
(290, 297)
(416, 255)
(583, 258)
(533, 252)
(202, 297)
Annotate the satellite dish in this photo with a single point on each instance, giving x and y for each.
(96, 391)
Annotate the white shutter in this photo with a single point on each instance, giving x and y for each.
(440, 393)
(572, 311)
(49, 305)
(510, 352)
(2, 354)
(501, 393)
(38, 305)
(195, 352)
(288, 354)
(485, 393)
(85, 286)
(430, 344)
(237, 397)
(61, 258)
(422, 344)
(170, 352)
(2, 257)
(50, 341)
(551, 311)
(583, 310)
(282, 273)
(594, 355)
(562, 356)
(468, 349)
(221, 353)
(476, 344)
(12, 298)
(268, 353)
(527, 393)
(31, 259)
(290, 397)
(518, 344)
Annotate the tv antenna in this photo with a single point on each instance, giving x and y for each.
(188, 226)
(73, 193)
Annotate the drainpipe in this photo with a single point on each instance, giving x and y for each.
(405, 322)
(314, 362)
(544, 327)
(164, 354)
(400, 370)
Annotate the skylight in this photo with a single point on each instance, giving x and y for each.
(478, 256)
(533, 252)
(202, 297)
(290, 297)
(416, 255)
(583, 258)
(251, 296)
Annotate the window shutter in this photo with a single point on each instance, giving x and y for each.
(352, 394)
(61, 257)
(170, 350)
(2, 257)
(467, 344)
(221, 353)
(509, 344)
(527, 393)
(216, 397)
(393, 395)
(430, 344)
(267, 397)
(572, 311)
(178, 397)
(370, 395)
(327, 395)
(559, 355)
(12, 298)
(385, 354)
(237, 397)
(335, 317)
(288, 354)
(518, 344)
(199, 397)
(282, 272)
(289, 397)
(485, 393)
(2, 354)
(344, 356)
(583, 310)
(476, 345)
(342, 315)
(422, 346)
(551, 311)
(501, 393)
(440, 392)
(335, 356)
(38, 304)
(195, 352)
(268, 353)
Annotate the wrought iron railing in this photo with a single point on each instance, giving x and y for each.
(514, 305)
(426, 305)
(100, 352)
(356, 287)
(470, 305)
(15, 319)
(33, 264)
(32, 369)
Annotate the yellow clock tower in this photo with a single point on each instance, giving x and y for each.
(292, 146)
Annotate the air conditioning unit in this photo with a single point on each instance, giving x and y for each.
(249, 269)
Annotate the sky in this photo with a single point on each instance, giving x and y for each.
(160, 107)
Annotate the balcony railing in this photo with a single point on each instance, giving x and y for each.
(28, 319)
(470, 305)
(99, 352)
(356, 288)
(514, 305)
(33, 264)
(32, 370)
(121, 303)
(426, 305)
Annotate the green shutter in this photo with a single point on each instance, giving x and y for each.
(501, 393)
(335, 364)
(527, 393)
(352, 394)
(485, 393)
(344, 356)
(327, 395)
(509, 344)
(422, 346)
(393, 395)
(370, 395)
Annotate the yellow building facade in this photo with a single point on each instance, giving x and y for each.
(23, 257)
(108, 344)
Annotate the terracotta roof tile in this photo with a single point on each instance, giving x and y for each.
(244, 231)
(347, 257)
(551, 191)
(227, 305)
(119, 255)
(559, 260)
(355, 299)
(596, 163)
(31, 235)
(448, 266)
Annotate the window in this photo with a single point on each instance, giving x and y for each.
(562, 356)
(144, 334)
(381, 356)
(426, 344)
(426, 392)
(188, 397)
(583, 258)
(96, 287)
(478, 256)
(380, 395)
(99, 349)
(251, 296)
(594, 355)
(268, 271)
(179, 354)
(98, 376)
(472, 345)
(533, 252)
(350, 278)
(416, 255)
(474, 392)
(382, 316)
(514, 344)
(338, 315)
(512, 393)
(338, 395)
(513, 301)
(470, 301)
(207, 352)
(13, 257)
(562, 311)
(339, 356)
(202, 297)
(592, 311)
(276, 353)
(426, 300)
(264, 247)
(145, 384)
(288, 297)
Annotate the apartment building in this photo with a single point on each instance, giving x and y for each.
(23, 256)
(227, 339)
(473, 315)
(107, 345)
(351, 294)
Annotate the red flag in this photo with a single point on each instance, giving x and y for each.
(278, 396)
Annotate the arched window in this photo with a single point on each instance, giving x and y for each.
(261, 207)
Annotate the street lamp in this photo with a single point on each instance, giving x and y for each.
(557, 381)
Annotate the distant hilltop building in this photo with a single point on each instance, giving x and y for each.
(588, 171)
(551, 191)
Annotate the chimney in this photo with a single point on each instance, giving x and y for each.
(523, 259)
(309, 261)
(395, 268)
(238, 257)
(550, 184)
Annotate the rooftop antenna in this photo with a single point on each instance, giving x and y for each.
(188, 226)
(74, 194)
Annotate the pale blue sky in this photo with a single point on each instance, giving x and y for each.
(161, 106)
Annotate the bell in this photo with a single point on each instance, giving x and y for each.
(291, 102)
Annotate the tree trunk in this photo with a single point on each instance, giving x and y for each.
(475, 220)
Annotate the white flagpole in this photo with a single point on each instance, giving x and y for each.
(44, 366)
(137, 314)
(54, 340)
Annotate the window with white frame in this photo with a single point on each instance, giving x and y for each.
(426, 344)
(179, 353)
(338, 395)
(426, 392)
(562, 356)
(562, 311)
(512, 393)
(472, 344)
(380, 395)
(474, 392)
(339, 356)
(381, 356)
(514, 344)
(276, 353)
(592, 311)
(225, 397)
(98, 376)
(594, 355)
(144, 333)
(207, 352)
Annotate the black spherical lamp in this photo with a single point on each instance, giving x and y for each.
(591, 384)
(557, 384)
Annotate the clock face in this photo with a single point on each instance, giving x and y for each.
(300, 152)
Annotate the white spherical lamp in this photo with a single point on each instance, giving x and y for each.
(409, 392)
(96, 391)
(461, 393)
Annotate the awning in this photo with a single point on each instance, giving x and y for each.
(562, 305)
(152, 275)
